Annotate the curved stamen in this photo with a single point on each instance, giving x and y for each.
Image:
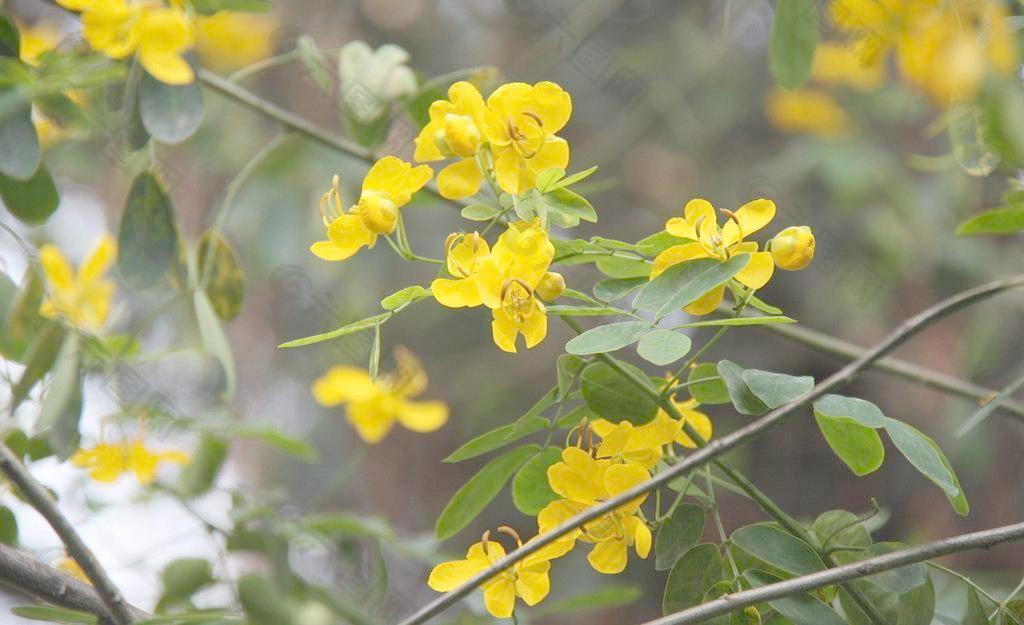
(508, 531)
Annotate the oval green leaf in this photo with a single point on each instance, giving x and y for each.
(663, 347)
(148, 238)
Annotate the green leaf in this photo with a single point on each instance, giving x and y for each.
(692, 576)
(925, 455)
(682, 284)
(200, 473)
(496, 438)
(841, 528)
(860, 410)
(215, 342)
(263, 603)
(403, 297)
(31, 201)
(794, 38)
(990, 406)
(859, 446)
(53, 614)
(707, 386)
(19, 143)
(470, 500)
(802, 609)
(238, 6)
(148, 238)
(898, 581)
(8, 527)
(658, 243)
(917, 607)
(184, 577)
(39, 356)
(582, 311)
(739, 321)
(604, 598)
(776, 547)
(170, 113)
(338, 524)
(967, 136)
(530, 488)
(1006, 220)
(480, 212)
(618, 267)
(224, 278)
(614, 289)
(62, 404)
(569, 207)
(355, 326)
(549, 177)
(567, 368)
(538, 408)
(680, 532)
(269, 435)
(572, 179)
(663, 347)
(776, 389)
(10, 38)
(975, 614)
(615, 398)
(608, 338)
(742, 397)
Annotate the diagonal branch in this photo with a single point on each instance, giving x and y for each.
(856, 570)
(730, 441)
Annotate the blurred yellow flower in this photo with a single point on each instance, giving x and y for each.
(527, 579)
(807, 110)
(229, 41)
(373, 406)
(81, 298)
(836, 64)
(72, 568)
(700, 224)
(584, 481)
(37, 39)
(521, 124)
(108, 461)
(793, 248)
(388, 186)
(455, 130)
(158, 34)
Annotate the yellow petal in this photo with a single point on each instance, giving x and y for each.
(552, 104)
(423, 416)
(100, 259)
(698, 421)
(609, 556)
(620, 478)
(349, 233)
(327, 250)
(675, 255)
(758, 271)
(500, 597)
(556, 549)
(752, 217)
(508, 165)
(556, 513)
(370, 421)
(708, 302)
(396, 178)
(426, 145)
(641, 536)
(695, 209)
(344, 384)
(456, 293)
(167, 67)
(56, 268)
(535, 327)
(450, 575)
(504, 331)
(533, 587)
(460, 179)
(578, 477)
(554, 153)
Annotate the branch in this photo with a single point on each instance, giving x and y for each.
(730, 441)
(25, 574)
(901, 368)
(856, 570)
(36, 494)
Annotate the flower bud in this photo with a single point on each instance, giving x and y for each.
(551, 286)
(461, 134)
(441, 142)
(379, 213)
(793, 248)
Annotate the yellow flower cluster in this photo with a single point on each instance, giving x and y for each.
(106, 462)
(374, 405)
(80, 298)
(159, 35)
(945, 47)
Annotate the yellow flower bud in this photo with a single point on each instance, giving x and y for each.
(793, 248)
(461, 134)
(441, 141)
(551, 286)
(379, 213)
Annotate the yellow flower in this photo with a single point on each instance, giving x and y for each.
(456, 129)
(583, 481)
(639, 444)
(158, 34)
(551, 286)
(107, 461)
(37, 39)
(695, 418)
(72, 568)
(465, 254)
(81, 298)
(836, 64)
(521, 124)
(807, 110)
(229, 41)
(719, 242)
(375, 405)
(527, 579)
(793, 248)
(388, 186)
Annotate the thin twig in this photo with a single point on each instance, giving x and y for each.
(730, 441)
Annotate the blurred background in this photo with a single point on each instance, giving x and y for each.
(669, 99)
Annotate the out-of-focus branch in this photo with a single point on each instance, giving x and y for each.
(856, 570)
(24, 574)
(716, 448)
(39, 498)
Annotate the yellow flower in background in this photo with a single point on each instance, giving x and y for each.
(700, 224)
(158, 34)
(72, 568)
(640, 444)
(227, 41)
(465, 255)
(793, 248)
(527, 579)
(836, 64)
(37, 39)
(81, 298)
(106, 462)
(373, 406)
(807, 110)
(388, 186)
(455, 130)
(695, 418)
(521, 124)
(584, 481)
